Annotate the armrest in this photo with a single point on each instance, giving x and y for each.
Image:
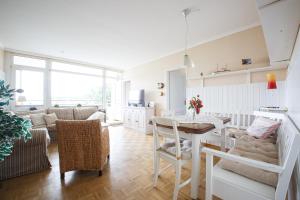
(246, 161)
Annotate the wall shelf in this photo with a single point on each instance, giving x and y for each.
(237, 72)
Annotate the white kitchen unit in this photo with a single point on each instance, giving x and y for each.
(138, 118)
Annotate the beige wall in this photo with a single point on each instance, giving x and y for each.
(227, 51)
(1, 59)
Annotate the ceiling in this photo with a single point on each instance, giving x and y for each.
(117, 33)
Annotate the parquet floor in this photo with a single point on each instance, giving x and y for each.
(128, 175)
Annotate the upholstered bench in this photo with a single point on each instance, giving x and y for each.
(255, 169)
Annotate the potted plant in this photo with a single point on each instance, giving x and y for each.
(195, 104)
(12, 127)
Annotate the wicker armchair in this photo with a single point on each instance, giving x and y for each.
(82, 145)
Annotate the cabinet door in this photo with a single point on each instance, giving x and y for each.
(141, 119)
(135, 118)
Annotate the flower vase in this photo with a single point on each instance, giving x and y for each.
(194, 115)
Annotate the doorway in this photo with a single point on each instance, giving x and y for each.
(177, 91)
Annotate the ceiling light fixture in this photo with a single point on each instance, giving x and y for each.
(186, 58)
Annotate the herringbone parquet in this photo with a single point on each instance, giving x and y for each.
(128, 175)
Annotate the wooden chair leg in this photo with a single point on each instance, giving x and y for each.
(156, 169)
(100, 173)
(177, 180)
(62, 175)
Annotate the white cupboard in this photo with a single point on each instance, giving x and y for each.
(138, 118)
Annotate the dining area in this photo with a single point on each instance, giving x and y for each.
(184, 137)
(249, 166)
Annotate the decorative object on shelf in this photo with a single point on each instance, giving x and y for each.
(275, 109)
(271, 78)
(161, 93)
(223, 69)
(12, 127)
(160, 85)
(246, 61)
(187, 62)
(195, 104)
(32, 108)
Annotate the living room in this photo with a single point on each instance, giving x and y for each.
(97, 98)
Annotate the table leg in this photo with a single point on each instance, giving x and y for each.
(196, 159)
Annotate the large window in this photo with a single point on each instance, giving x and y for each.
(71, 89)
(48, 82)
(75, 84)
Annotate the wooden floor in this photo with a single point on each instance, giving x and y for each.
(128, 175)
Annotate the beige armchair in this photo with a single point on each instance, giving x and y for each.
(82, 145)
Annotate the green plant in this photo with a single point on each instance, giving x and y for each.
(12, 127)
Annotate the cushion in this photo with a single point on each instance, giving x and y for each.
(263, 127)
(256, 149)
(50, 119)
(62, 113)
(83, 113)
(37, 120)
(186, 148)
(97, 115)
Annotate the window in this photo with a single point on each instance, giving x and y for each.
(32, 82)
(47, 81)
(76, 68)
(69, 89)
(113, 98)
(30, 62)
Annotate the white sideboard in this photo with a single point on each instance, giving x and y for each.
(138, 118)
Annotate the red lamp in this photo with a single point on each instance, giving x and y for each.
(271, 78)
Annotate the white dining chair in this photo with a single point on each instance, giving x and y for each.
(168, 113)
(177, 152)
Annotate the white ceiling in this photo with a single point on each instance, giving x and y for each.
(116, 33)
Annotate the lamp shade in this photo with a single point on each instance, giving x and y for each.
(271, 78)
(21, 99)
(187, 62)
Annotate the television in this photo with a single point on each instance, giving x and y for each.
(136, 98)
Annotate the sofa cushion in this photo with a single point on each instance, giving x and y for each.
(256, 149)
(186, 148)
(97, 115)
(50, 119)
(37, 120)
(83, 113)
(28, 112)
(62, 113)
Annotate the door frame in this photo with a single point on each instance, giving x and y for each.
(167, 84)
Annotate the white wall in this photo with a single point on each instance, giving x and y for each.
(293, 95)
(1, 62)
(244, 98)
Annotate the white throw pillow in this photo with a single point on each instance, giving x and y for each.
(38, 120)
(50, 119)
(97, 115)
(263, 127)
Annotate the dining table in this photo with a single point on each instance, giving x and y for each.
(205, 129)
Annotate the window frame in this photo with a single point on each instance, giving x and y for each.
(47, 98)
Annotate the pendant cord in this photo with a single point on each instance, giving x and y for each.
(186, 33)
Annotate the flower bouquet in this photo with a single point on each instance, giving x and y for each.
(195, 104)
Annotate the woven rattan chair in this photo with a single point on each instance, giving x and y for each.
(82, 145)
